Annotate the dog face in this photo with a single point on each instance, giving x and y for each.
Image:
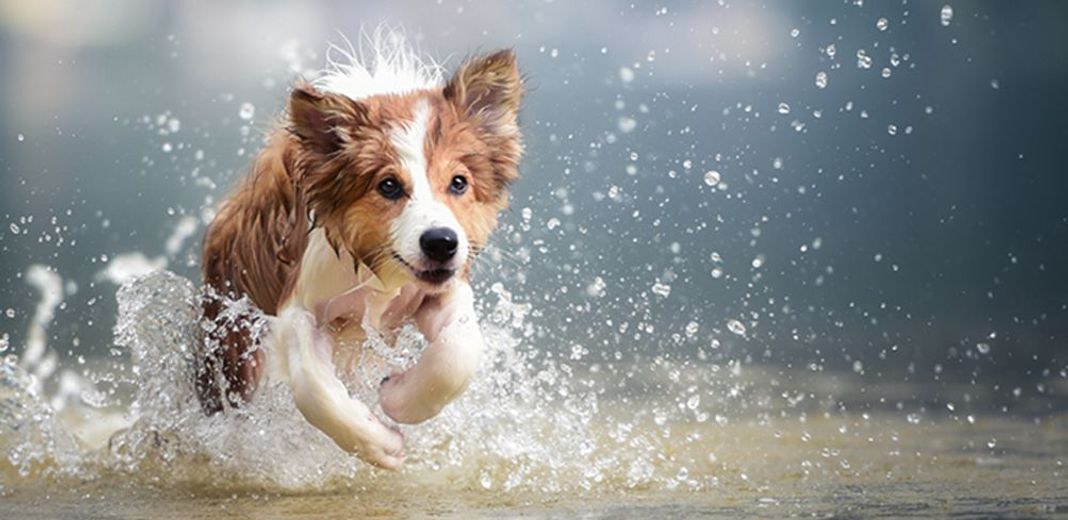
(411, 184)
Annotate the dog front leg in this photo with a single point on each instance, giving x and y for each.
(446, 366)
(305, 358)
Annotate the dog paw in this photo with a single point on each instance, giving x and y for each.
(383, 446)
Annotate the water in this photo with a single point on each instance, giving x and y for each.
(533, 434)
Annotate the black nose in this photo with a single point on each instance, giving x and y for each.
(439, 244)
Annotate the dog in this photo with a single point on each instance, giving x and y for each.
(365, 208)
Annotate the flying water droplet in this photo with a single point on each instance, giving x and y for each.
(821, 79)
(660, 289)
(863, 60)
(246, 111)
(784, 108)
(946, 15)
(882, 24)
(736, 327)
(711, 177)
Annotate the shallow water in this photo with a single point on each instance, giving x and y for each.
(533, 435)
(883, 467)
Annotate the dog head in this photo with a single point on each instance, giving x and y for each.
(410, 182)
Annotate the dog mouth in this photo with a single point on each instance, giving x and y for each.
(435, 276)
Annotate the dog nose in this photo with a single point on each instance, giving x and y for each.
(439, 244)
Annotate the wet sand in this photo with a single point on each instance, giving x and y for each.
(841, 466)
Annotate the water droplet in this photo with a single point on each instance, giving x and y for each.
(821, 79)
(626, 75)
(795, 32)
(596, 288)
(691, 328)
(946, 15)
(21, 138)
(882, 24)
(983, 348)
(758, 261)
(660, 289)
(831, 50)
(886, 72)
(246, 111)
(693, 402)
(711, 177)
(863, 60)
(891, 129)
(683, 474)
(736, 327)
(995, 84)
(167, 147)
(784, 108)
(627, 124)
(485, 480)
(717, 272)
(14, 228)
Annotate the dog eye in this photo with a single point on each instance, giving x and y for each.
(390, 188)
(458, 185)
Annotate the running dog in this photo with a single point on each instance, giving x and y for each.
(365, 208)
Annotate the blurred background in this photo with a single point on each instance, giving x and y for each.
(869, 188)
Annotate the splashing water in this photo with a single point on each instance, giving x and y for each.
(528, 422)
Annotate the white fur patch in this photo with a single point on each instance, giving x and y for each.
(423, 211)
(383, 63)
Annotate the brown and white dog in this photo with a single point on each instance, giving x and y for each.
(366, 208)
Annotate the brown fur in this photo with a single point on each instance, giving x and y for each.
(326, 163)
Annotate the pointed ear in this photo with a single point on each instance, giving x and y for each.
(489, 89)
(322, 120)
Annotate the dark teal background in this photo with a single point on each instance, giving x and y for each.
(967, 212)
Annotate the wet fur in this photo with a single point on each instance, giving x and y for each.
(319, 171)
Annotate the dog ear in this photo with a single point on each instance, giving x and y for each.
(322, 120)
(489, 89)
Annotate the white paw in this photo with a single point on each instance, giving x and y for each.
(383, 446)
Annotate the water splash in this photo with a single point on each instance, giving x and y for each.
(529, 422)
